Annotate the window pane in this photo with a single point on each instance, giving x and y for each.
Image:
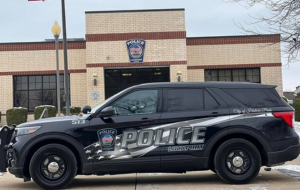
(46, 86)
(52, 85)
(253, 98)
(33, 104)
(255, 79)
(24, 80)
(255, 71)
(21, 99)
(249, 71)
(35, 95)
(46, 79)
(208, 78)
(221, 73)
(49, 97)
(38, 86)
(214, 73)
(241, 72)
(139, 102)
(235, 79)
(32, 79)
(249, 78)
(38, 78)
(19, 86)
(52, 78)
(228, 73)
(31, 86)
(214, 78)
(24, 86)
(185, 100)
(210, 102)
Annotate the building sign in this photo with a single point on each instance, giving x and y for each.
(95, 96)
(136, 50)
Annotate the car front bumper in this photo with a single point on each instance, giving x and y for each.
(6, 134)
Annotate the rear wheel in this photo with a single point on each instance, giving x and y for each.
(237, 161)
(53, 166)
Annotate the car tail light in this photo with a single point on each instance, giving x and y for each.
(288, 117)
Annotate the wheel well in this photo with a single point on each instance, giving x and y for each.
(51, 141)
(256, 143)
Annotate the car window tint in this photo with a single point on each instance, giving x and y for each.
(184, 100)
(210, 102)
(138, 102)
(254, 98)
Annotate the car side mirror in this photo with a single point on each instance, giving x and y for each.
(107, 112)
(86, 109)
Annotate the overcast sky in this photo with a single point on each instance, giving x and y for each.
(23, 21)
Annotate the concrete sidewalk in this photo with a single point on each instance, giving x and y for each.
(192, 180)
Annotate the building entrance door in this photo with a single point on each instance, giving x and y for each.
(117, 80)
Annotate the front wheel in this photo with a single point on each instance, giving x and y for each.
(53, 166)
(237, 161)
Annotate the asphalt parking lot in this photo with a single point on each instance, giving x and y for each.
(205, 180)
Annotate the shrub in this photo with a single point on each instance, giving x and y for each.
(73, 110)
(285, 99)
(16, 116)
(296, 106)
(39, 110)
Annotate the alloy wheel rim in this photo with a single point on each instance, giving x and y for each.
(53, 167)
(238, 161)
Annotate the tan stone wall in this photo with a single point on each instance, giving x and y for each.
(91, 88)
(156, 21)
(273, 76)
(78, 85)
(195, 75)
(6, 93)
(156, 50)
(40, 60)
(174, 70)
(233, 54)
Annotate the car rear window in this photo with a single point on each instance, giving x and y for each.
(184, 100)
(254, 98)
(210, 102)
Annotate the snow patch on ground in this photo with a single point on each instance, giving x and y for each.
(297, 127)
(1, 174)
(295, 168)
(258, 188)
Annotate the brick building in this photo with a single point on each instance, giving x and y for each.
(28, 69)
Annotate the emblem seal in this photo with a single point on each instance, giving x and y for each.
(136, 50)
(107, 138)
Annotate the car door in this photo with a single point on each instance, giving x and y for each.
(190, 117)
(138, 110)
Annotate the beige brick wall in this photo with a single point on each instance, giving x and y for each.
(91, 88)
(174, 70)
(273, 76)
(195, 75)
(233, 54)
(78, 85)
(129, 22)
(6, 93)
(40, 60)
(156, 50)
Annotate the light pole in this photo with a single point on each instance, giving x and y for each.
(56, 30)
(66, 71)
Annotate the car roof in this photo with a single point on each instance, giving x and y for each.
(203, 85)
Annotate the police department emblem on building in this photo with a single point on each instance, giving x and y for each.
(107, 139)
(136, 50)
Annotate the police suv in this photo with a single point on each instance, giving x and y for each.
(230, 128)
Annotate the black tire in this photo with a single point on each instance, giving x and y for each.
(65, 163)
(247, 161)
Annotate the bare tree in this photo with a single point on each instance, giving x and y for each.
(284, 19)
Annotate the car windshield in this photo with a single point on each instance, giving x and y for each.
(107, 100)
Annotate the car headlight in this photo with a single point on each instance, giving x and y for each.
(27, 130)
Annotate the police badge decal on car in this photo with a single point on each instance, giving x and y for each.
(107, 139)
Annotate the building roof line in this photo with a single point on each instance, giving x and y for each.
(135, 10)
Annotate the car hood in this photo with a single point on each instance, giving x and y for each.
(52, 120)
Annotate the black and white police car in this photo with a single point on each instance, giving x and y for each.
(230, 128)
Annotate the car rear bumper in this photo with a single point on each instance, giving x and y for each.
(18, 172)
(288, 154)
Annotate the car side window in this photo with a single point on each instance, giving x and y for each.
(184, 100)
(138, 102)
(210, 102)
